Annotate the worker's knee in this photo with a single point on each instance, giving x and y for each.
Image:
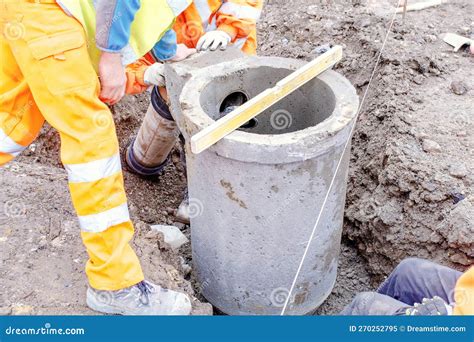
(411, 267)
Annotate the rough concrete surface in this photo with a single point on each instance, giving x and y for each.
(411, 184)
(260, 188)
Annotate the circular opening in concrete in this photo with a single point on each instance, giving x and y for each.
(234, 99)
(231, 102)
(252, 123)
(306, 107)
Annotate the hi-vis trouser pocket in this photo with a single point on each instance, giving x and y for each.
(62, 58)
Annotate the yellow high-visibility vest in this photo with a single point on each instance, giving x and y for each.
(152, 21)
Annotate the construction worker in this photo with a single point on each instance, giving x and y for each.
(213, 24)
(418, 287)
(205, 25)
(49, 56)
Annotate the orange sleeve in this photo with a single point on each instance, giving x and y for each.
(135, 73)
(239, 18)
(464, 294)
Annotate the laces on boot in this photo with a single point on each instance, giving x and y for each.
(145, 291)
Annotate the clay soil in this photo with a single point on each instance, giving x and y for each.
(410, 185)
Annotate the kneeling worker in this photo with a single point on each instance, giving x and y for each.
(418, 287)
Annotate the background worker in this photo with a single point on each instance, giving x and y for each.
(418, 287)
(48, 73)
(204, 25)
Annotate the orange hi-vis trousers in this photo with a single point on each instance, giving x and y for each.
(46, 74)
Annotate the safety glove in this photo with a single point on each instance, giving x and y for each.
(154, 75)
(430, 307)
(213, 40)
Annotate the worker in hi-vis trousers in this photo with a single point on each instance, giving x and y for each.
(48, 54)
(205, 25)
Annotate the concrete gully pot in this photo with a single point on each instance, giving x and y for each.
(255, 195)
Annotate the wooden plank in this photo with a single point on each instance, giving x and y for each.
(232, 121)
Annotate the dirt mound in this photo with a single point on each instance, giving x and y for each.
(40, 244)
(411, 179)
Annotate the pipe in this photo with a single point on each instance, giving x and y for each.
(147, 155)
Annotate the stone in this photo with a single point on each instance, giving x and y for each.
(173, 236)
(458, 170)
(431, 146)
(459, 87)
(313, 10)
(419, 79)
(320, 49)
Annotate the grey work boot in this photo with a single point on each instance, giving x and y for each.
(143, 299)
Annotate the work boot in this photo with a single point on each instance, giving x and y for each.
(143, 299)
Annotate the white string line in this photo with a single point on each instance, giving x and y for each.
(339, 163)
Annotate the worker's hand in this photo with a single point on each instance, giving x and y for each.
(213, 40)
(430, 307)
(112, 77)
(154, 75)
(182, 53)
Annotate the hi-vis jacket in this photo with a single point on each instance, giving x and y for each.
(131, 27)
(464, 294)
(236, 17)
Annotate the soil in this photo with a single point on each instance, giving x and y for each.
(410, 185)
